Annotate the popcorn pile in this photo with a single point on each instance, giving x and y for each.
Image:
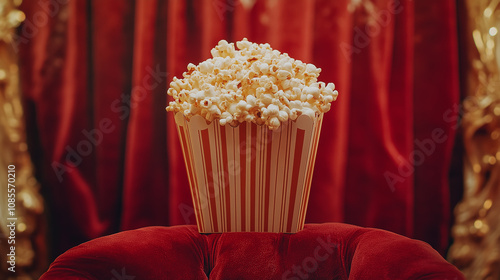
(254, 84)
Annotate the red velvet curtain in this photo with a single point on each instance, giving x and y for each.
(95, 75)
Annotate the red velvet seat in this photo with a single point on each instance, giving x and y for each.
(320, 251)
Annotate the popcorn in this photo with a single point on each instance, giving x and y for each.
(253, 84)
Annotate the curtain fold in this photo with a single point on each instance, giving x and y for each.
(144, 166)
(332, 32)
(381, 126)
(97, 73)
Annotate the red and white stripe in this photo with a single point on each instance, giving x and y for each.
(249, 178)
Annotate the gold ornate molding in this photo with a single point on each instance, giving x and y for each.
(10, 18)
(476, 233)
(30, 248)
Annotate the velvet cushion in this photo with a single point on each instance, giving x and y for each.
(320, 251)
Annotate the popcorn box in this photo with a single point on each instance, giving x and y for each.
(249, 178)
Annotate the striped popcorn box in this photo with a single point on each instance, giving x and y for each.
(249, 178)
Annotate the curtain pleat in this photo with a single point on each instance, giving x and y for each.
(380, 120)
(146, 161)
(437, 105)
(110, 80)
(332, 29)
(179, 206)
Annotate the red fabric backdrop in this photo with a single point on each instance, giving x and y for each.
(95, 75)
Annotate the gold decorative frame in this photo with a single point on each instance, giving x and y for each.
(476, 233)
